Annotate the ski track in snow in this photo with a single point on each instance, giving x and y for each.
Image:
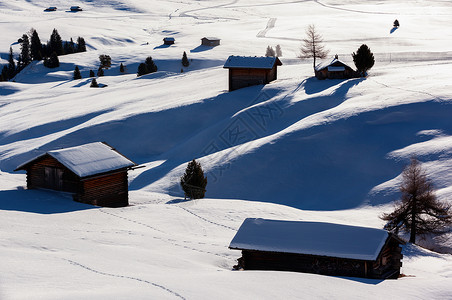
(169, 240)
(353, 10)
(126, 277)
(407, 90)
(186, 13)
(270, 24)
(206, 220)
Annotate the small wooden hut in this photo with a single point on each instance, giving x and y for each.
(246, 71)
(75, 8)
(210, 41)
(335, 69)
(320, 248)
(95, 173)
(168, 41)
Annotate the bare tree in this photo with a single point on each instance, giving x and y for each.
(418, 211)
(312, 45)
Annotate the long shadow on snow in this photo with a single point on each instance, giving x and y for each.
(252, 118)
(343, 159)
(40, 202)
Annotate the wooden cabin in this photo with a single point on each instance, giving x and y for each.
(246, 71)
(51, 8)
(335, 69)
(75, 8)
(210, 41)
(168, 41)
(94, 173)
(320, 248)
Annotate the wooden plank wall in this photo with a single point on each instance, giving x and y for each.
(110, 190)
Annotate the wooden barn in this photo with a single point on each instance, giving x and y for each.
(320, 248)
(95, 173)
(75, 8)
(246, 71)
(210, 41)
(335, 69)
(168, 41)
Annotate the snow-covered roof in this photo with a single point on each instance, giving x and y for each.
(335, 61)
(168, 39)
(252, 62)
(211, 38)
(89, 159)
(313, 238)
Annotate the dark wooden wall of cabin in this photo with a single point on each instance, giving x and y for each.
(389, 261)
(240, 78)
(110, 190)
(36, 176)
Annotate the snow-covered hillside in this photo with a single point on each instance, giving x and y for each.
(295, 149)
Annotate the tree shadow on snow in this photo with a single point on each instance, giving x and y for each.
(40, 201)
(393, 29)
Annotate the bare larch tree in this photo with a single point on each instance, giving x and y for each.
(418, 211)
(312, 45)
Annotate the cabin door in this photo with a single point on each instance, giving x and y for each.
(53, 178)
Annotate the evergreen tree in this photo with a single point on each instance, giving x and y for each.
(121, 68)
(81, 46)
(278, 51)
(11, 64)
(105, 61)
(55, 44)
(36, 47)
(77, 74)
(91, 73)
(270, 52)
(312, 45)
(52, 61)
(69, 47)
(25, 52)
(193, 181)
(142, 69)
(100, 72)
(363, 59)
(418, 211)
(396, 23)
(94, 83)
(5, 73)
(151, 67)
(185, 61)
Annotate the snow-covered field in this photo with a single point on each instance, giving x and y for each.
(296, 149)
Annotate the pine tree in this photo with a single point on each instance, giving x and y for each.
(418, 211)
(11, 64)
(94, 83)
(363, 59)
(5, 73)
(396, 23)
(100, 72)
(278, 51)
(105, 61)
(142, 69)
(91, 73)
(36, 46)
(69, 47)
(77, 74)
(185, 61)
(121, 68)
(81, 46)
(52, 61)
(193, 181)
(151, 66)
(25, 52)
(55, 44)
(312, 45)
(270, 52)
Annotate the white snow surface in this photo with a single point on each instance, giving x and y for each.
(315, 238)
(89, 159)
(297, 149)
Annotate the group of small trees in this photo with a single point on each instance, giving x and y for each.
(31, 49)
(147, 67)
(312, 47)
(277, 52)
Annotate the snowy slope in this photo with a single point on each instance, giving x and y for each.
(299, 148)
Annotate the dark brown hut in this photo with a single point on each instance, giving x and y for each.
(95, 173)
(168, 41)
(210, 41)
(320, 248)
(335, 69)
(246, 71)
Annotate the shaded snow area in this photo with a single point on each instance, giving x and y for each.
(297, 149)
(314, 238)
